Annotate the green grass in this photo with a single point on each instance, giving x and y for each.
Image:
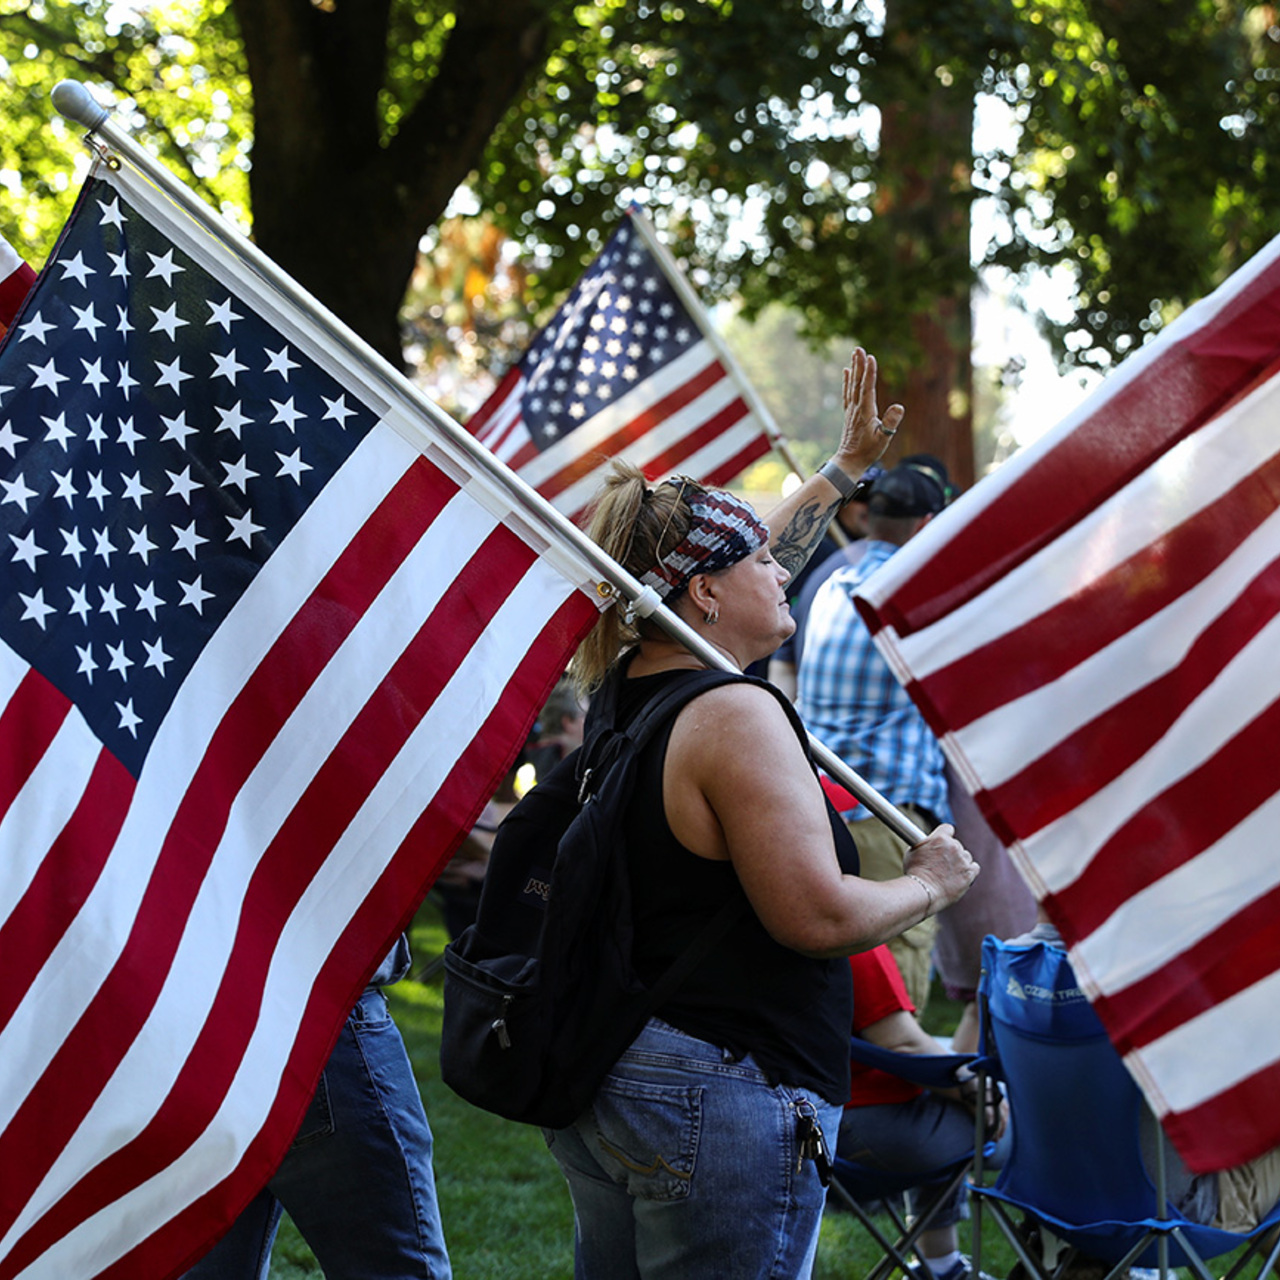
(506, 1209)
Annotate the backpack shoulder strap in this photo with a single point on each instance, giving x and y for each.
(669, 702)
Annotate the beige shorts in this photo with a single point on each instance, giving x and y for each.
(880, 855)
(1247, 1193)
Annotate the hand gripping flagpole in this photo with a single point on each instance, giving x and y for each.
(76, 103)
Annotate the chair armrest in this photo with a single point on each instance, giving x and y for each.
(929, 1070)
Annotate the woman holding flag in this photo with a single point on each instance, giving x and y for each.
(705, 1150)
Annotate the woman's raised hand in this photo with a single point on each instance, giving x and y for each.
(866, 435)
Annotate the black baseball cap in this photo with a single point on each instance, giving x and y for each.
(933, 466)
(907, 492)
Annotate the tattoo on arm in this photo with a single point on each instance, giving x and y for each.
(799, 538)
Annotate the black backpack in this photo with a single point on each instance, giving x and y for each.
(540, 997)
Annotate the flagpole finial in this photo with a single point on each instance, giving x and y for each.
(75, 102)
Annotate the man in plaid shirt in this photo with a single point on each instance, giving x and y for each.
(850, 700)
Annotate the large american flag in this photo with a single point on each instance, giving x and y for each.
(1094, 630)
(267, 643)
(623, 370)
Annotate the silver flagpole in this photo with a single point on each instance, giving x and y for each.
(76, 103)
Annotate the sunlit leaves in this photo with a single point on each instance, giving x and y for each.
(175, 73)
(819, 153)
(1145, 157)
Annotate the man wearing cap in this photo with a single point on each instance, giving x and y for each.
(850, 700)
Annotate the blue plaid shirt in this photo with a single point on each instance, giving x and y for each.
(850, 701)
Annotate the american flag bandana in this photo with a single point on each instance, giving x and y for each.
(723, 531)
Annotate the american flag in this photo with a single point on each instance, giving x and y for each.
(1094, 633)
(623, 370)
(265, 651)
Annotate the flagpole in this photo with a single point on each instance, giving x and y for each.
(76, 103)
(693, 305)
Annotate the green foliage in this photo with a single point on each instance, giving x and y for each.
(1145, 159)
(817, 154)
(176, 73)
(693, 110)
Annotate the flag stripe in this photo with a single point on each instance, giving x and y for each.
(1063, 850)
(712, 429)
(1002, 743)
(1215, 352)
(29, 723)
(1231, 1028)
(1184, 862)
(1099, 752)
(723, 465)
(326, 808)
(669, 440)
(35, 823)
(1226, 1129)
(1206, 973)
(489, 422)
(15, 284)
(63, 880)
(1197, 474)
(50, 788)
(1108, 607)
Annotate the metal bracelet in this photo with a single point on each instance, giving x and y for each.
(832, 472)
(928, 893)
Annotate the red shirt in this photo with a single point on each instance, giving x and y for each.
(878, 991)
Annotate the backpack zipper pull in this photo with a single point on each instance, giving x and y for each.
(499, 1025)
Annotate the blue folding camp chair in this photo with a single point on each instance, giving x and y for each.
(859, 1187)
(1075, 1165)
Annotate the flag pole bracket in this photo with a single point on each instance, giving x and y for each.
(645, 605)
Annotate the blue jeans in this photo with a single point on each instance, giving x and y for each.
(687, 1164)
(357, 1181)
(917, 1136)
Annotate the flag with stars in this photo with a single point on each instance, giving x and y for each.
(267, 644)
(622, 371)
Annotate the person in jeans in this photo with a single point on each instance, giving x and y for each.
(896, 1126)
(703, 1152)
(358, 1180)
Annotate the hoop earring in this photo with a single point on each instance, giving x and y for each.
(712, 616)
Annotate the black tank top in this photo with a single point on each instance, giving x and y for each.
(793, 1014)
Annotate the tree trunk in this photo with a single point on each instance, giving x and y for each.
(925, 190)
(335, 203)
